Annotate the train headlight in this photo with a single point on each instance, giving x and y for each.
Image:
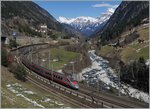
(77, 86)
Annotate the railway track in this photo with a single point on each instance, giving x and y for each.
(104, 101)
(49, 86)
(81, 98)
(61, 96)
(118, 101)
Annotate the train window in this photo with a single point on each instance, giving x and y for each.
(48, 73)
(65, 79)
(61, 78)
(35, 67)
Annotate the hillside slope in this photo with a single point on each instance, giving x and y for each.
(131, 51)
(26, 15)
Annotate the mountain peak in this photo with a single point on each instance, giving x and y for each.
(87, 25)
(111, 10)
(64, 20)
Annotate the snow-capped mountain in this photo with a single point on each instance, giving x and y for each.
(88, 25)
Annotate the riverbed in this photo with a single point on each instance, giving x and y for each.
(104, 77)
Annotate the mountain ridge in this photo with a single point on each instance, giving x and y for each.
(127, 15)
(87, 25)
(22, 15)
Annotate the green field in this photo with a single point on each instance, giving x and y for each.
(63, 57)
(11, 99)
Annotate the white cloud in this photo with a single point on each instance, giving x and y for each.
(105, 5)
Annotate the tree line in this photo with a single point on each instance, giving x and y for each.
(136, 74)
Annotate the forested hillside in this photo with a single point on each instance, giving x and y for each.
(129, 14)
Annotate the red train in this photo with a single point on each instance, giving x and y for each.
(55, 76)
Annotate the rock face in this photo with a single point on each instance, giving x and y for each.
(20, 14)
(87, 25)
(128, 15)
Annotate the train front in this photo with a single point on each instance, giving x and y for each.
(74, 83)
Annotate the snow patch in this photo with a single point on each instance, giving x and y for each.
(148, 62)
(31, 101)
(20, 91)
(60, 104)
(29, 92)
(13, 90)
(8, 85)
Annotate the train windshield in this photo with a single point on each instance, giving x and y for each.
(73, 80)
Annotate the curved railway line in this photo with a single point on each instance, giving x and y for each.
(80, 98)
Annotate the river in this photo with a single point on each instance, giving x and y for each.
(100, 72)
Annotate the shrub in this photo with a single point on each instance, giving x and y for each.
(4, 58)
(13, 43)
(18, 71)
(136, 74)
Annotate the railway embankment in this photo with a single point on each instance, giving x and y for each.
(18, 94)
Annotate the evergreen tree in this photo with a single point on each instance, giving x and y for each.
(4, 57)
(136, 74)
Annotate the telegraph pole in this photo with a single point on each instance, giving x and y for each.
(49, 60)
(72, 62)
(87, 83)
(37, 58)
(31, 50)
(52, 72)
(31, 54)
(119, 81)
(17, 52)
(51, 65)
(73, 69)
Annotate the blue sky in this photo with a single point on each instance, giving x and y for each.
(72, 9)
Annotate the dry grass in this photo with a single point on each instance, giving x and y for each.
(130, 51)
(10, 100)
